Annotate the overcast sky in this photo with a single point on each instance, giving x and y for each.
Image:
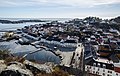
(59, 8)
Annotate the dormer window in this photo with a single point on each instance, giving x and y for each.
(104, 66)
(94, 64)
(98, 64)
(78, 45)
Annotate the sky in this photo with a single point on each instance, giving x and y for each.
(59, 8)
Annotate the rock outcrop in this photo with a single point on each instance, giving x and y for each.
(26, 68)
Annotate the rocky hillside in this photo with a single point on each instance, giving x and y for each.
(15, 66)
(28, 68)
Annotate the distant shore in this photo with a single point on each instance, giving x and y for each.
(19, 21)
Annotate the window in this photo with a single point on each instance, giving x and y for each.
(94, 64)
(109, 75)
(90, 67)
(98, 64)
(103, 70)
(104, 66)
(103, 74)
(88, 70)
(98, 69)
(117, 74)
(97, 72)
(109, 71)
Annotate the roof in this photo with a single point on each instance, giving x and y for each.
(117, 64)
(70, 41)
(103, 60)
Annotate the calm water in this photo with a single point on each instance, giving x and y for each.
(48, 19)
(16, 26)
(21, 25)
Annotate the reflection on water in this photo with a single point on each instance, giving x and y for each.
(20, 50)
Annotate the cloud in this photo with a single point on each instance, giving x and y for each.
(61, 3)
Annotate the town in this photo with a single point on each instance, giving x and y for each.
(91, 45)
